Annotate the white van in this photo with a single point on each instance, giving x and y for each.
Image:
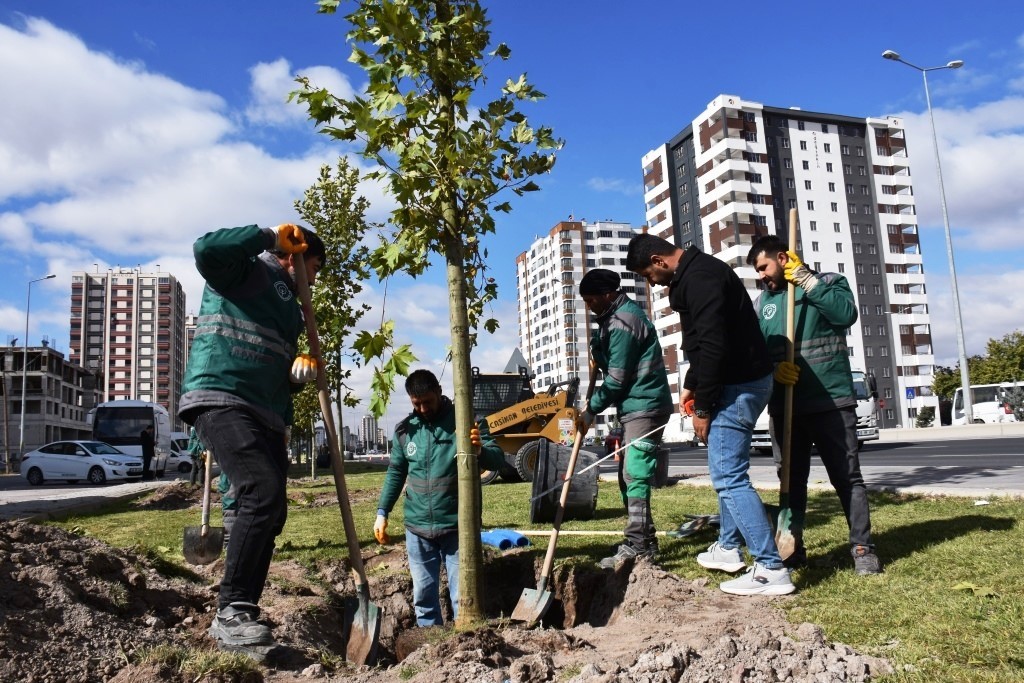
(180, 459)
(989, 404)
(120, 423)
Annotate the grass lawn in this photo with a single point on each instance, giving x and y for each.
(949, 606)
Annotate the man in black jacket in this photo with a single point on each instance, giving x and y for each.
(729, 381)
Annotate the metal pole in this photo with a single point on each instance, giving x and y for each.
(24, 365)
(961, 348)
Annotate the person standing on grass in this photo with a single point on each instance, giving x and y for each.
(148, 451)
(423, 461)
(242, 371)
(625, 347)
(824, 400)
(729, 381)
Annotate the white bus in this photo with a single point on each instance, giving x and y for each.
(989, 404)
(120, 423)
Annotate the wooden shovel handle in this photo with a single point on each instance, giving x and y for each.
(337, 463)
(787, 416)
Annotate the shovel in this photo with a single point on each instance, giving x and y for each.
(784, 539)
(534, 602)
(361, 615)
(202, 544)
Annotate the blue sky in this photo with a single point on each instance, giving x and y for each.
(127, 132)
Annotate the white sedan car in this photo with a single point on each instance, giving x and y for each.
(72, 461)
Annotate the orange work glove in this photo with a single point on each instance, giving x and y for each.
(380, 530)
(290, 239)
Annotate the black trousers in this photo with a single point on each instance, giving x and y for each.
(834, 432)
(255, 460)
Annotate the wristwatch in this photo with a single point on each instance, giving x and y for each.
(702, 414)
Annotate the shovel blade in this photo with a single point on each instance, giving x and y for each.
(363, 618)
(532, 605)
(784, 538)
(202, 548)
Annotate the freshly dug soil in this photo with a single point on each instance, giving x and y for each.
(73, 609)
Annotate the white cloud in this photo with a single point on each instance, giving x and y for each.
(982, 153)
(614, 185)
(271, 83)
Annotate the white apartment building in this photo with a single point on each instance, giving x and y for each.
(554, 323)
(733, 174)
(129, 328)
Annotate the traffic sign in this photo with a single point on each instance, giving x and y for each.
(910, 393)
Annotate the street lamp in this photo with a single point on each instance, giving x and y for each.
(24, 364)
(964, 375)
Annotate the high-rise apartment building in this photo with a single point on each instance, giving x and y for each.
(732, 175)
(368, 432)
(129, 328)
(554, 323)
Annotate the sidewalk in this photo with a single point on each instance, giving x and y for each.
(27, 505)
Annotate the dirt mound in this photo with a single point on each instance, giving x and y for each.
(74, 609)
(179, 495)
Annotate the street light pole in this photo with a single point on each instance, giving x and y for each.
(24, 364)
(961, 347)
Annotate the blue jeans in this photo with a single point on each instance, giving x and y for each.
(255, 460)
(425, 556)
(742, 513)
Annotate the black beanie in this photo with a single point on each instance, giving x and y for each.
(599, 281)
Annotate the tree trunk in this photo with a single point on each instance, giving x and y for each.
(470, 547)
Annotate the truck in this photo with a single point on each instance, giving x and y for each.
(120, 424)
(866, 391)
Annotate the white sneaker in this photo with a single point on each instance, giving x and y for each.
(760, 580)
(724, 559)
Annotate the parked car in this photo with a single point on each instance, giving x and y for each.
(613, 441)
(73, 461)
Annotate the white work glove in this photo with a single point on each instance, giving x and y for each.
(304, 369)
(798, 273)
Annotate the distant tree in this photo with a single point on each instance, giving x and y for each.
(945, 381)
(925, 417)
(332, 208)
(1004, 360)
(1015, 397)
(445, 162)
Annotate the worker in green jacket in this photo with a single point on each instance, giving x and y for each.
(243, 367)
(824, 401)
(626, 348)
(423, 461)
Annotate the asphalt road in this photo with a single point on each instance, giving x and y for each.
(974, 467)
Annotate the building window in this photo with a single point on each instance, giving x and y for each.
(862, 171)
(869, 351)
(803, 145)
(882, 331)
(845, 149)
(828, 148)
(883, 351)
(864, 309)
(860, 151)
(867, 331)
(807, 184)
(839, 247)
(828, 166)
(790, 183)
(859, 268)
(750, 135)
(810, 205)
(853, 209)
(800, 125)
(814, 246)
(806, 165)
(814, 225)
(787, 163)
(835, 207)
(836, 227)
(857, 248)
(842, 267)
(878, 309)
(887, 372)
(831, 187)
